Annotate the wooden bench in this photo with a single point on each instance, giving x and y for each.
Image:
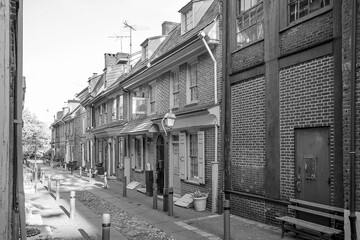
(311, 229)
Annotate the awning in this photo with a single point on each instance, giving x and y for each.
(137, 127)
(199, 121)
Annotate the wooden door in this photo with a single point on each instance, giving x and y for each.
(175, 160)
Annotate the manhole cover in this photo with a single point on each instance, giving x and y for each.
(30, 232)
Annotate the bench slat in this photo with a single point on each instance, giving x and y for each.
(309, 225)
(317, 205)
(328, 215)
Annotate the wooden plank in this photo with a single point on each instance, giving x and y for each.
(317, 205)
(307, 210)
(309, 225)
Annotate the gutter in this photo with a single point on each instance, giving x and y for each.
(352, 216)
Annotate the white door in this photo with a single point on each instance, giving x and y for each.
(127, 169)
(175, 160)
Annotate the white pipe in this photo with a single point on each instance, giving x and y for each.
(202, 36)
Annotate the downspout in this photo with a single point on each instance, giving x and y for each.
(215, 164)
(202, 36)
(352, 216)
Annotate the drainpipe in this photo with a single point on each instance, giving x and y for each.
(202, 36)
(352, 216)
(215, 164)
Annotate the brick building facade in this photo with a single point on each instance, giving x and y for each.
(289, 108)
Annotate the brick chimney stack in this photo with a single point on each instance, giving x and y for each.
(167, 27)
(110, 60)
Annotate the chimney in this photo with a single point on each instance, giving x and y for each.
(167, 27)
(110, 60)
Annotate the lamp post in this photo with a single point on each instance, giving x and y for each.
(169, 121)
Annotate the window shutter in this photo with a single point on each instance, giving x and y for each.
(201, 156)
(133, 153)
(182, 155)
(142, 153)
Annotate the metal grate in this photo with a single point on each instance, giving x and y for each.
(30, 232)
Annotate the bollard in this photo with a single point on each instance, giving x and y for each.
(57, 190)
(105, 180)
(155, 196)
(124, 186)
(35, 187)
(106, 227)
(80, 172)
(72, 204)
(43, 177)
(226, 220)
(49, 182)
(90, 175)
(171, 202)
(36, 175)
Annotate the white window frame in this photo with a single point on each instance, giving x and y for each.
(326, 3)
(187, 19)
(114, 109)
(174, 75)
(135, 164)
(191, 67)
(120, 107)
(152, 98)
(185, 158)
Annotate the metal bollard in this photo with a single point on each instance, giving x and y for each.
(80, 172)
(124, 186)
(171, 202)
(106, 227)
(49, 182)
(105, 180)
(72, 204)
(226, 220)
(57, 190)
(90, 175)
(155, 195)
(43, 177)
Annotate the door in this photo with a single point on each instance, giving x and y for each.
(312, 165)
(160, 164)
(175, 160)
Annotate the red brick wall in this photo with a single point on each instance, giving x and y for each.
(306, 34)
(248, 56)
(248, 135)
(306, 100)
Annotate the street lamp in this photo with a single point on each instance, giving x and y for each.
(169, 120)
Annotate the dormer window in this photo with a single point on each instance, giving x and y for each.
(187, 18)
(145, 52)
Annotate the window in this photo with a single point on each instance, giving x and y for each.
(249, 22)
(192, 81)
(120, 107)
(100, 115)
(300, 8)
(114, 110)
(187, 18)
(152, 97)
(192, 156)
(138, 104)
(137, 157)
(104, 113)
(174, 89)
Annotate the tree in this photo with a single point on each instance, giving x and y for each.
(36, 137)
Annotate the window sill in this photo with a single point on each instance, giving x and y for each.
(237, 49)
(193, 182)
(194, 103)
(138, 170)
(307, 18)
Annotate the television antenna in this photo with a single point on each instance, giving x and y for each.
(133, 28)
(119, 37)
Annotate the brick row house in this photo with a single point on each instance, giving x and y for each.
(287, 128)
(64, 133)
(177, 71)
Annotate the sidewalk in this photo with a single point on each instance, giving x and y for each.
(132, 216)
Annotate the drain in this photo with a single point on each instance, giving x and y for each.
(30, 232)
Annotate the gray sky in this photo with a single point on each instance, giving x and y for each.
(65, 42)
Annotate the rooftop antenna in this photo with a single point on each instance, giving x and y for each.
(135, 28)
(118, 37)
